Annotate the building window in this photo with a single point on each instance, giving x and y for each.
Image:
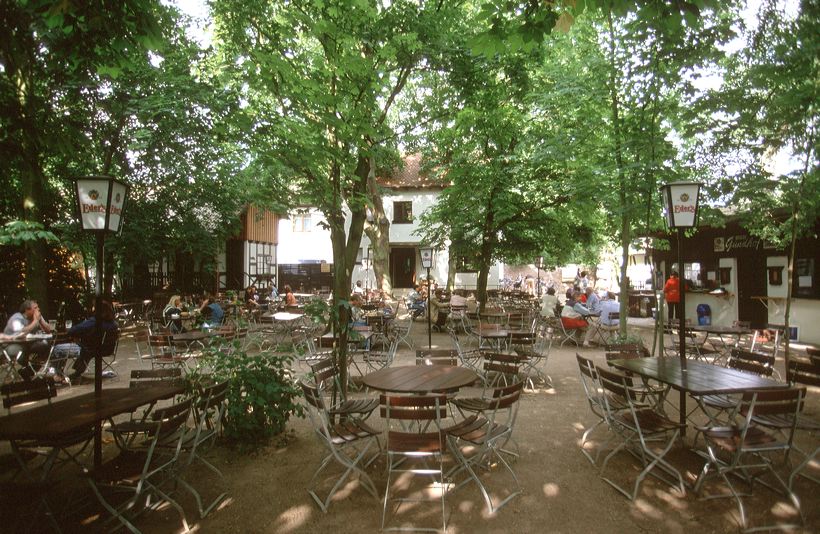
(402, 212)
(301, 222)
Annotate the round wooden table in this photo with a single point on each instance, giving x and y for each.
(420, 379)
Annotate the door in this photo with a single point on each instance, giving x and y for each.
(402, 266)
(751, 282)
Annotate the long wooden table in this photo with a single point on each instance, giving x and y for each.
(75, 413)
(420, 379)
(697, 379)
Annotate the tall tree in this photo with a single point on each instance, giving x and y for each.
(766, 108)
(52, 53)
(321, 78)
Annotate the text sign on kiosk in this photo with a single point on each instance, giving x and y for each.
(680, 202)
(101, 201)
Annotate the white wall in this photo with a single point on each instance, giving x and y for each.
(299, 247)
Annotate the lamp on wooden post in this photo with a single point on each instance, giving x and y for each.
(100, 207)
(427, 256)
(680, 202)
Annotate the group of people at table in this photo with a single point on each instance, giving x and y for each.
(583, 310)
(27, 341)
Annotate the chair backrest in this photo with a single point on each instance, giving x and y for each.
(17, 393)
(170, 421)
(752, 362)
(503, 364)
(154, 377)
(323, 370)
(413, 407)
(521, 339)
(619, 390)
(772, 402)
(807, 373)
(110, 342)
(437, 357)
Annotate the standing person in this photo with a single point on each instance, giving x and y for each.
(86, 333)
(28, 320)
(671, 292)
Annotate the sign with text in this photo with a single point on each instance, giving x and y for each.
(101, 203)
(681, 203)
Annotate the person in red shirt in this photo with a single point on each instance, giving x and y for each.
(671, 292)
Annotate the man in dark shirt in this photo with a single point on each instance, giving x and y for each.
(86, 333)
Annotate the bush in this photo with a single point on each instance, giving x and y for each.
(261, 394)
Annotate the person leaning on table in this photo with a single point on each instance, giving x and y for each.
(28, 320)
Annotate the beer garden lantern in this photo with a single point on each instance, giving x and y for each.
(680, 203)
(427, 257)
(100, 205)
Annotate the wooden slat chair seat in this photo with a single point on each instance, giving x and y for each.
(347, 443)
(326, 377)
(747, 447)
(163, 351)
(414, 435)
(478, 442)
(638, 423)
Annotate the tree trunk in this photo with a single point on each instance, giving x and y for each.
(625, 220)
(378, 231)
(451, 271)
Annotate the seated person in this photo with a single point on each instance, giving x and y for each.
(172, 314)
(593, 303)
(28, 320)
(609, 306)
(416, 304)
(549, 302)
(438, 310)
(86, 333)
(251, 298)
(290, 298)
(212, 313)
(358, 289)
(571, 319)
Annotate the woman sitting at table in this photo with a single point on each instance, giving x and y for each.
(571, 318)
(86, 333)
(290, 299)
(172, 314)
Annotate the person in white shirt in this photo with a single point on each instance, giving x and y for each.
(548, 303)
(358, 290)
(28, 320)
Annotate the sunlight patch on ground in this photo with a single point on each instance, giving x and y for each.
(225, 503)
(550, 489)
(784, 510)
(673, 498)
(293, 518)
(647, 509)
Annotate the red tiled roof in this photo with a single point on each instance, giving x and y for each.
(410, 176)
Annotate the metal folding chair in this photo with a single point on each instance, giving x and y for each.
(637, 424)
(410, 438)
(592, 390)
(140, 472)
(347, 443)
(742, 448)
(326, 378)
(437, 357)
(477, 442)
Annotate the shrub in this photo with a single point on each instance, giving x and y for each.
(261, 396)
